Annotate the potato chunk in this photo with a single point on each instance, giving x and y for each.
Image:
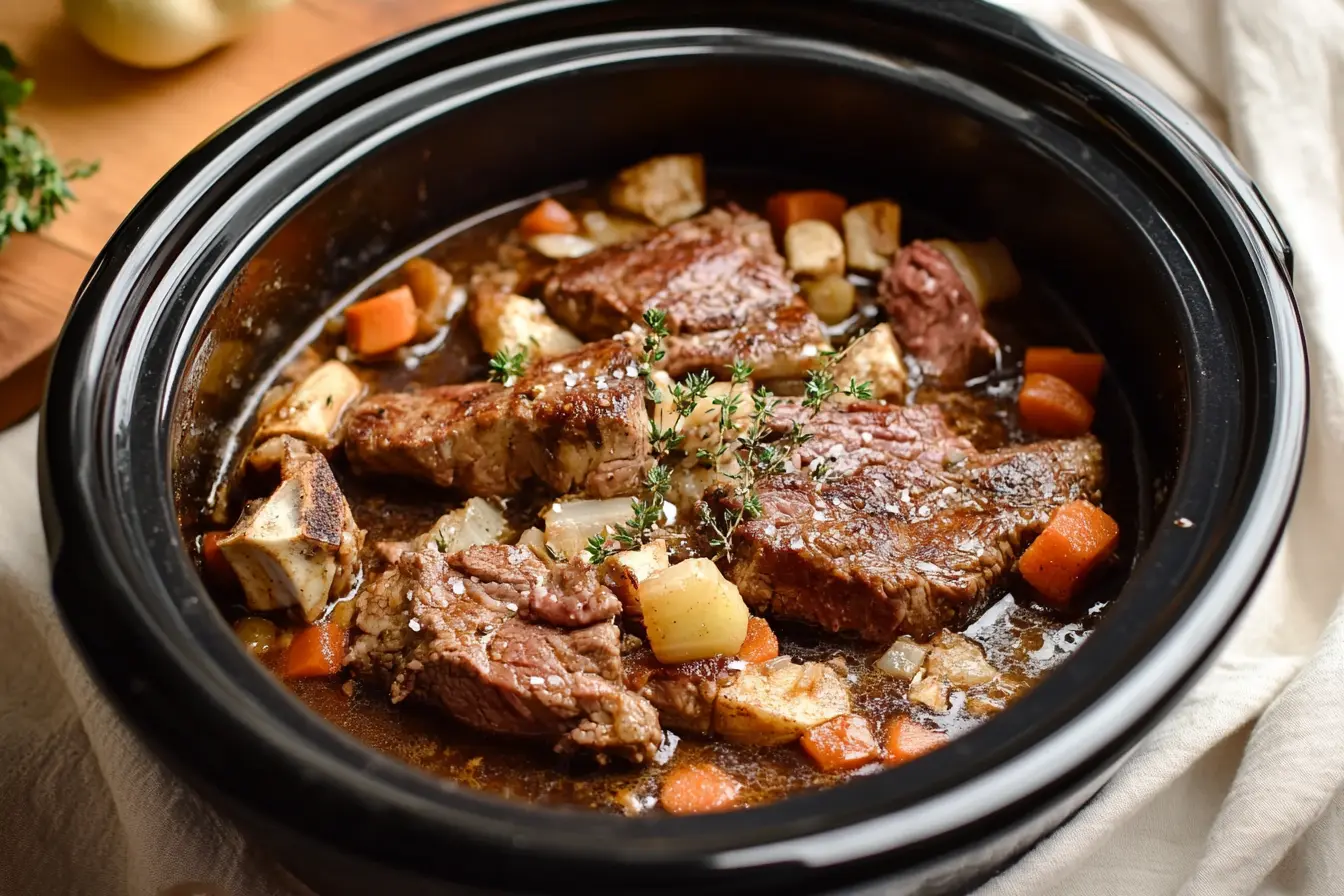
(611, 230)
(875, 357)
(831, 298)
(314, 410)
(692, 612)
(778, 702)
(300, 546)
(569, 524)
(663, 189)
(476, 522)
(510, 322)
(872, 234)
(986, 268)
(814, 249)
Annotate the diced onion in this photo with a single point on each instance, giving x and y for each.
(902, 660)
(569, 524)
(561, 245)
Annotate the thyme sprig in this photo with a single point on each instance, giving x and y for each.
(506, 366)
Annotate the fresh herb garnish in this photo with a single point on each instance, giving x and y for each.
(506, 367)
(34, 184)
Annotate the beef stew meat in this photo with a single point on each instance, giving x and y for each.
(644, 487)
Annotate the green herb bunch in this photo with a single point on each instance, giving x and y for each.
(34, 184)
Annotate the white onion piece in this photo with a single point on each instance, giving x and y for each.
(569, 524)
(902, 660)
(561, 245)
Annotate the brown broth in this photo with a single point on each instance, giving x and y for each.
(1023, 641)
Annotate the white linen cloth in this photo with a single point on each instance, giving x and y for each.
(1238, 791)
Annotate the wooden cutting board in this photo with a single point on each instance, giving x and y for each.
(137, 124)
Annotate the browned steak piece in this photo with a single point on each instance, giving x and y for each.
(849, 436)
(933, 313)
(504, 644)
(905, 547)
(720, 281)
(576, 423)
(683, 693)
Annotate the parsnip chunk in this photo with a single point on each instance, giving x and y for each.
(510, 323)
(872, 234)
(875, 357)
(814, 249)
(778, 702)
(663, 189)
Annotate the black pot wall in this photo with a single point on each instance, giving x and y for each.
(1110, 196)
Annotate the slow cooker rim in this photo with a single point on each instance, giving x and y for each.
(56, 492)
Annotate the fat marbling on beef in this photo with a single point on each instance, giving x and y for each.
(909, 534)
(504, 643)
(720, 281)
(575, 423)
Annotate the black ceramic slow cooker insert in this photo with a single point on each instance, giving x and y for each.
(1142, 224)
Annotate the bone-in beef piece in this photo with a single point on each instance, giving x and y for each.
(933, 313)
(906, 547)
(721, 282)
(503, 643)
(576, 423)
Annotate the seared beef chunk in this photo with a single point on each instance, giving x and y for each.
(576, 423)
(847, 437)
(504, 644)
(906, 547)
(720, 281)
(683, 693)
(933, 313)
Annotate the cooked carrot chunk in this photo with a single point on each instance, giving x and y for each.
(1080, 370)
(843, 743)
(548, 217)
(761, 643)
(907, 739)
(217, 566)
(381, 323)
(787, 208)
(1078, 537)
(1051, 407)
(316, 650)
(696, 789)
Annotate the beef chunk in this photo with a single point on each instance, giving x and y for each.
(906, 547)
(501, 642)
(683, 693)
(576, 423)
(933, 313)
(720, 281)
(852, 435)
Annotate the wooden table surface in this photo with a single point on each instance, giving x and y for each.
(137, 124)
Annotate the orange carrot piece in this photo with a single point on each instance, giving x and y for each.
(381, 323)
(696, 789)
(761, 644)
(216, 565)
(548, 217)
(1081, 370)
(1077, 539)
(843, 743)
(907, 739)
(793, 206)
(1051, 407)
(315, 651)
